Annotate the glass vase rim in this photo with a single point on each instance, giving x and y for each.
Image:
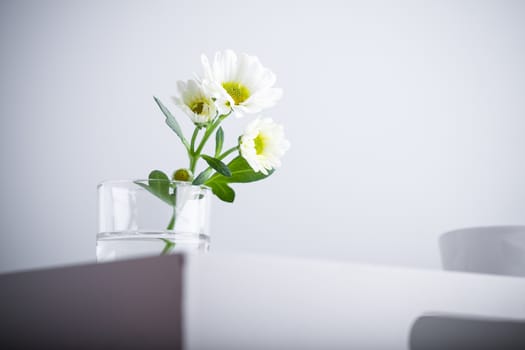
(134, 181)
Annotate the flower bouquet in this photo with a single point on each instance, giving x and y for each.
(232, 85)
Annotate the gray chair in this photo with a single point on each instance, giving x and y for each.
(460, 332)
(494, 250)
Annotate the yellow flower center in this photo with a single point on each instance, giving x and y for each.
(197, 107)
(259, 142)
(239, 93)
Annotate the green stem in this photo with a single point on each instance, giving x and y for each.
(191, 152)
(194, 137)
(168, 247)
(208, 133)
(227, 153)
(209, 130)
(172, 222)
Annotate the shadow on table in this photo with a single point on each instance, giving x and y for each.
(451, 332)
(135, 304)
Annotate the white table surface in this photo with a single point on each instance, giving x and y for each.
(258, 302)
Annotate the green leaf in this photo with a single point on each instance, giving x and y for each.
(219, 140)
(159, 182)
(159, 185)
(203, 177)
(223, 191)
(172, 122)
(218, 165)
(241, 172)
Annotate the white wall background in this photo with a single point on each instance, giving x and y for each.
(406, 120)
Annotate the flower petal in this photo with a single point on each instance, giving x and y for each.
(246, 72)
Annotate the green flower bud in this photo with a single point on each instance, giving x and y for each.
(182, 175)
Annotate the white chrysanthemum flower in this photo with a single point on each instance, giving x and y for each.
(195, 102)
(240, 83)
(263, 144)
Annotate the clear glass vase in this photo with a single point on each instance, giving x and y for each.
(151, 217)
